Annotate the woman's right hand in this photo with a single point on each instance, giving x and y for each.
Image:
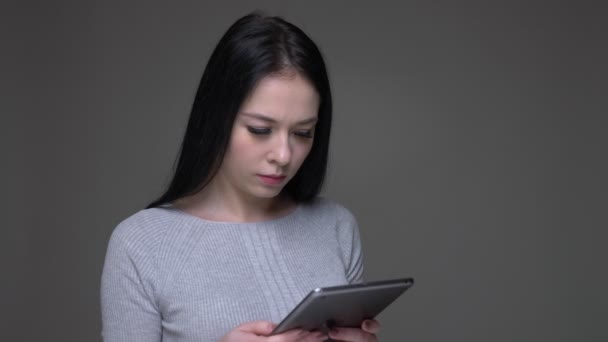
(258, 331)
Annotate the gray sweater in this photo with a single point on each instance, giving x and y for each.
(170, 276)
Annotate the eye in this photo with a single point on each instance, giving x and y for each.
(304, 134)
(258, 130)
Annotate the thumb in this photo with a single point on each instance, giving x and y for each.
(257, 327)
(371, 326)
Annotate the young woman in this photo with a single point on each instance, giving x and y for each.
(240, 236)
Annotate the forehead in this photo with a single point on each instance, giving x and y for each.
(283, 97)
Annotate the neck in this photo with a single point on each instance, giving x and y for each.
(214, 203)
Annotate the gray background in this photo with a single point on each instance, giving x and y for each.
(469, 141)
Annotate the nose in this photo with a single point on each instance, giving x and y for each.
(280, 152)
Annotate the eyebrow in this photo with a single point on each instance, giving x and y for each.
(271, 120)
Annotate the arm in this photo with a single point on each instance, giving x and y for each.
(350, 243)
(129, 310)
(353, 256)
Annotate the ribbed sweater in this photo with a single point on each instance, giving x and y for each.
(173, 277)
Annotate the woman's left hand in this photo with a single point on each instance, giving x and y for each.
(367, 333)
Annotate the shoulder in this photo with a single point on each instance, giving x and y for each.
(330, 216)
(330, 209)
(141, 228)
(152, 231)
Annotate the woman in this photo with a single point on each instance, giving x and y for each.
(240, 236)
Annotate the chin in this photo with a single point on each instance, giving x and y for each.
(267, 192)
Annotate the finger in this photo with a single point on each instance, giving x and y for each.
(299, 336)
(352, 335)
(257, 327)
(319, 336)
(315, 336)
(290, 335)
(371, 326)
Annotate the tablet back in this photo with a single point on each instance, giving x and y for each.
(343, 306)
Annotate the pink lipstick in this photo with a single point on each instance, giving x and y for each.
(271, 180)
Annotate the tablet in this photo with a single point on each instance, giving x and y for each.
(343, 306)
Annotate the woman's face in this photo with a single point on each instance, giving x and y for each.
(272, 135)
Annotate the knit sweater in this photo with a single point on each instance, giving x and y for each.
(170, 276)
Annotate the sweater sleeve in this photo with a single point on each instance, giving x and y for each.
(351, 246)
(129, 310)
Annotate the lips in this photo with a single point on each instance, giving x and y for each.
(272, 179)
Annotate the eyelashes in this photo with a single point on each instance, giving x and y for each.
(266, 131)
(258, 130)
(304, 134)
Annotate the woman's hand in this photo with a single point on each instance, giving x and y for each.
(258, 331)
(367, 333)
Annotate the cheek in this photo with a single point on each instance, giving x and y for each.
(240, 150)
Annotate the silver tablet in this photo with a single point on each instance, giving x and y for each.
(343, 306)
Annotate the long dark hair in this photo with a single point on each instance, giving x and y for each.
(254, 47)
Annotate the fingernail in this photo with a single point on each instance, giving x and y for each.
(369, 323)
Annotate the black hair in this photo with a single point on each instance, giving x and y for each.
(254, 47)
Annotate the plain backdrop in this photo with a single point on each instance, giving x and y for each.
(469, 141)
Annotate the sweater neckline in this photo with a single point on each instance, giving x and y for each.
(293, 213)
